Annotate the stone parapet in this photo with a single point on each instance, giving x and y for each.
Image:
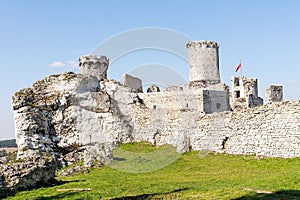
(94, 65)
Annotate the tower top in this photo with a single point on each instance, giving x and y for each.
(94, 65)
(202, 43)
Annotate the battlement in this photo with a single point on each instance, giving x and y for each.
(94, 65)
(203, 43)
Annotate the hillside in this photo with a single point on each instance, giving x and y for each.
(8, 143)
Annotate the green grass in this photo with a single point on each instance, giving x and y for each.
(191, 176)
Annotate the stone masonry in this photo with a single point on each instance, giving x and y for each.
(272, 130)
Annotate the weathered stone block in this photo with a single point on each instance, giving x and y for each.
(133, 82)
(274, 93)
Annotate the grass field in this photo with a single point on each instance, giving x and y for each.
(191, 176)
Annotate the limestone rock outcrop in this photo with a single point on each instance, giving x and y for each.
(71, 112)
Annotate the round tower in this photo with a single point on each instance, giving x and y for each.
(93, 65)
(203, 59)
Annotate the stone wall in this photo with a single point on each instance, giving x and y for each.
(272, 130)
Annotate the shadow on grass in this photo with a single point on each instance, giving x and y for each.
(149, 196)
(119, 159)
(281, 194)
(58, 196)
(51, 183)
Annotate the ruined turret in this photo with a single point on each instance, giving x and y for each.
(244, 92)
(93, 65)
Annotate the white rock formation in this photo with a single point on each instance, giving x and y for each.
(70, 112)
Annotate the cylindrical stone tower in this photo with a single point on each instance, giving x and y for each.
(93, 65)
(204, 62)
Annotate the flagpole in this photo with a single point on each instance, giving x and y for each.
(241, 68)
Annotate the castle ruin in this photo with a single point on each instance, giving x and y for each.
(84, 116)
(67, 118)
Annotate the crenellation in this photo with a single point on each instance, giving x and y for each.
(94, 65)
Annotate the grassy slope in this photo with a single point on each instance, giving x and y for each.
(190, 177)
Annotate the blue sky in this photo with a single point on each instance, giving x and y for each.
(36, 34)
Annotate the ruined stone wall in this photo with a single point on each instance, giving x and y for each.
(272, 130)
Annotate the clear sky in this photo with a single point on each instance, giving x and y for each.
(37, 35)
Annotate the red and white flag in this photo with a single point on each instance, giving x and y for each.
(238, 67)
